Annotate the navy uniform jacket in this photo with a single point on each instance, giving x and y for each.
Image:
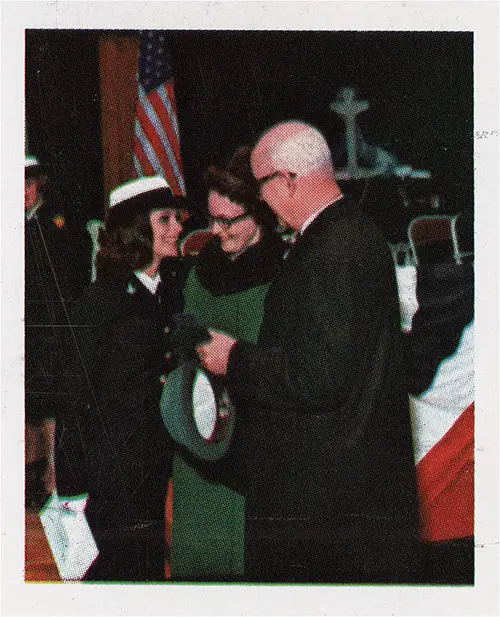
(331, 480)
(110, 439)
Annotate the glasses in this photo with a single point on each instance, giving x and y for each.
(275, 174)
(225, 222)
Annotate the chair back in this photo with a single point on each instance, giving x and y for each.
(194, 242)
(431, 239)
(462, 230)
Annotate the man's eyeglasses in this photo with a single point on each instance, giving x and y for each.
(265, 179)
(225, 222)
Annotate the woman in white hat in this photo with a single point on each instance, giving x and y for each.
(110, 442)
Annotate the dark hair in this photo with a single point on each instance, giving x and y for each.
(126, 242)
(233, 178)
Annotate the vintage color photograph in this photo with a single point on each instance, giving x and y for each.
(249, 308)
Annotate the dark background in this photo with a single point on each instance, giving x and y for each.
(231, 85)
(63, 115)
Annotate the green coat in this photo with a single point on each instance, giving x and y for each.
(208, 521)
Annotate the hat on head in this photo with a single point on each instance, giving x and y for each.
(33, 168)
(145, 194)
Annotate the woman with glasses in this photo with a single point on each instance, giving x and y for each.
(110, 441)
(224, 290)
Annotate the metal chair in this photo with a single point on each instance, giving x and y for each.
(462, 231)
(432, 239)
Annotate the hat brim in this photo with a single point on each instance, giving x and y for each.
(179, 413)
(157, 199)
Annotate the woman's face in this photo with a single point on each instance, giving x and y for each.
(167, 226)
(229, 221)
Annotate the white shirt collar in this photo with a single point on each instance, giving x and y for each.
(315, 215)
(150, 283)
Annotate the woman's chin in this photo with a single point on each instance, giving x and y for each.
(228, 247)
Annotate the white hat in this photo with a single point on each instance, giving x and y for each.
(31, 161)
(33, 168)
(129, 191)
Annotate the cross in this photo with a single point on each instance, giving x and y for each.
(348, 107)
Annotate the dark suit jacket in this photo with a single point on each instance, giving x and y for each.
(332, 492)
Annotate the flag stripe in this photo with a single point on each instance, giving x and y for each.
(157, 134)
(154, 150)
(148, 148)
(167, 135)
(164, 114)
(141, 160)
(166, 93)
(138, 169)
(151, 112)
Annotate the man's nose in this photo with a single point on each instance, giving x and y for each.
(216, 228)
(177, 225)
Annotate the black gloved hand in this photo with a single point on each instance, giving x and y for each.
(184, 335)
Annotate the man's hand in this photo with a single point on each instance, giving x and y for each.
(215, 355)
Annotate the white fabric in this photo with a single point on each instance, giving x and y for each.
(69, 535)
(30, 161)
(406, 277)
(204, 405)
(136, 187)
(435, 411)
(148, 282)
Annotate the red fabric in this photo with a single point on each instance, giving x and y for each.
(194, 242)
(446, 483)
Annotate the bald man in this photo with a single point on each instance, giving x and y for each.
(331, 478)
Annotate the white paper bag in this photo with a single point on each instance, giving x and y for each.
(69, 535)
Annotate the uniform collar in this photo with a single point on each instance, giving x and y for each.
(151, 284)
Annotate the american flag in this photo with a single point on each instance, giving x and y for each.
(156, 148)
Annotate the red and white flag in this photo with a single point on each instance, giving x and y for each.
(157, 140)
(443, 414)
(443, 432)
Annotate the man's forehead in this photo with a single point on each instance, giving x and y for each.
(260, 159)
